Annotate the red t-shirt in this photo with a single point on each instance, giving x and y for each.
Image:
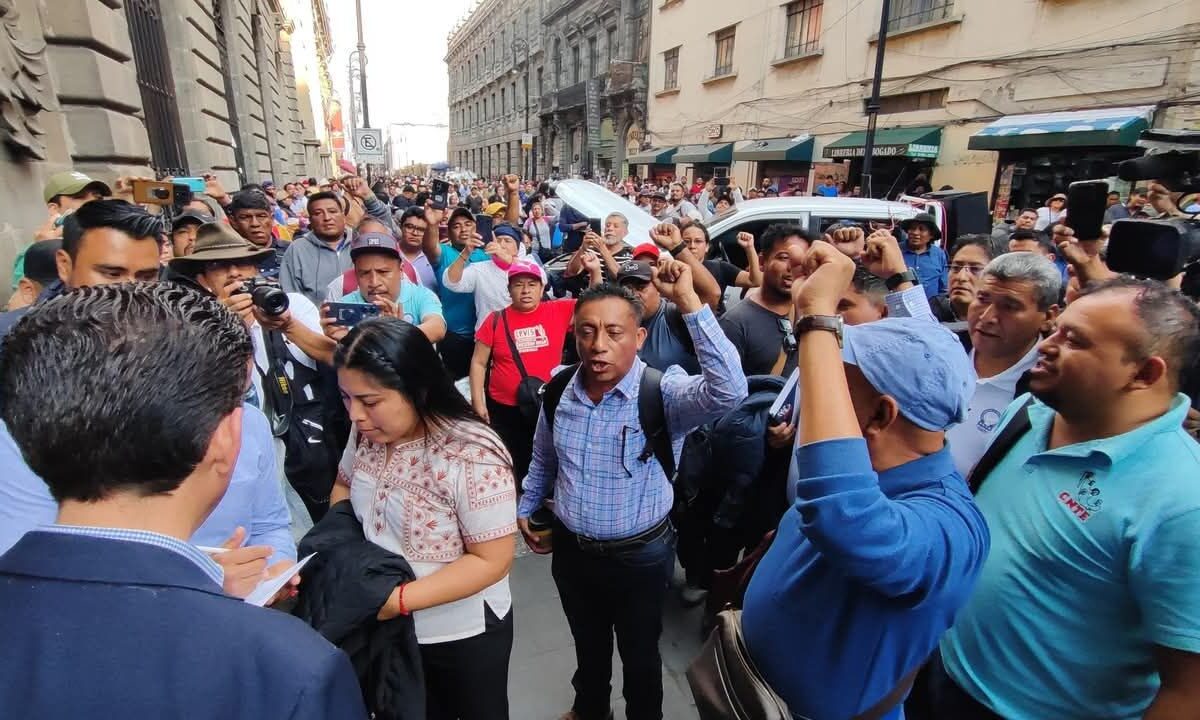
(539, 337)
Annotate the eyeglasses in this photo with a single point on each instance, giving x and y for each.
(413, 228)
(956, 268)
(789, 338)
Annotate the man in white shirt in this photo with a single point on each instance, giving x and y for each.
(1016, 301)
(488, 280)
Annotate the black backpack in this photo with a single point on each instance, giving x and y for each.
(652, 414)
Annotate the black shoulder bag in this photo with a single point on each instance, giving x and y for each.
(529, 389)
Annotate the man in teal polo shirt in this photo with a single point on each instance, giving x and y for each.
(1089, 603)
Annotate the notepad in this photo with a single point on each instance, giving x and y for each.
(266, 589)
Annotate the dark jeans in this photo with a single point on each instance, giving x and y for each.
(514, 430)
(618, 591)
(948, 700)
(468, 679)
(456, 351)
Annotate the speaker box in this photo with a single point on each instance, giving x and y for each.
(966, 213)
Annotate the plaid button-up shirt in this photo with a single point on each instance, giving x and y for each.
(602, 490)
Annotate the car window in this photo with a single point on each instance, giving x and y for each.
(726, 240)
(866, 223)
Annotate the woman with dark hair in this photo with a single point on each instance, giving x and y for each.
(432, 483)
(695, 236)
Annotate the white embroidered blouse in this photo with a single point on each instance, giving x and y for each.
(452, 487)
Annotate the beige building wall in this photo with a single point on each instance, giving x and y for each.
(990, 58)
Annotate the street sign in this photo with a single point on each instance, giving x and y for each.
(368, 145)
(527, 140)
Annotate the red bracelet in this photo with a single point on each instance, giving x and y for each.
(400, 600)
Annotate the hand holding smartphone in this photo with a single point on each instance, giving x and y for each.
(350, 314)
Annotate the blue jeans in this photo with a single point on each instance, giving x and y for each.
(619, 592)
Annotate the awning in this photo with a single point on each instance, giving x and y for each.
(1114, 126)
(718, 153)
(653, 156)
(913, 142)
(796, 149)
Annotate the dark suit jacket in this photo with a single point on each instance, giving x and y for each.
(98, 628)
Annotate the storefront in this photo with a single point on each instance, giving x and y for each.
(900, 155)
(1042, 154)
(656, 164)
(704, 159)
(779, 160)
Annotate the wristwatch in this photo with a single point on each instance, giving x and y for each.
(895, 281)
(675, 251)
(829, 323)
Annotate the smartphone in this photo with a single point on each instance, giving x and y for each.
(195, 184)
(351, 314)
(1156, 249)
(441, 189)
(596, 226)
(182, 195)
(1086, 202)
(483, 226)
(151, 192)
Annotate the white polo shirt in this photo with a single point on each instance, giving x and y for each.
(969, 439)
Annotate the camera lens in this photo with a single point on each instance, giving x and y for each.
(271, 300)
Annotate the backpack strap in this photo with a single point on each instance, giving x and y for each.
(1008, 437)
(553, 390)
(652, 416)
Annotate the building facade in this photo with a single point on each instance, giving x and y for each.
(1017, 99)
(144, 88)
(494, 59)
(567, 75)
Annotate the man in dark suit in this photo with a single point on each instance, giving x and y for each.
(126, 399)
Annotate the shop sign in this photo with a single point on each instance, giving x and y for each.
(713, 132)
(923, 151)
(914, 151)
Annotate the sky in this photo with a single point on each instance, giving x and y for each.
(405, 41)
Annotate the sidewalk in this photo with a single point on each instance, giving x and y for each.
(543, 658)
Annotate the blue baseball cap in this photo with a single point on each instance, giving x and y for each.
(509, 231)
(919, 363)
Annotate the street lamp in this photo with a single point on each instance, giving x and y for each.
(521, 45)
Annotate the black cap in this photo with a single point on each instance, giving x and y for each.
(191, 217)
(635, 270)
(460, 211)
(41, 265)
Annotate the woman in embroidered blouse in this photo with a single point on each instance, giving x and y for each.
(432, 483)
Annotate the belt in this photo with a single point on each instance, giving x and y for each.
(645, 537)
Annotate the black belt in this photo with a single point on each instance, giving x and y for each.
(645, 537)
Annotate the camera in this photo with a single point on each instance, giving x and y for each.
(266, 296)
(1161, 249)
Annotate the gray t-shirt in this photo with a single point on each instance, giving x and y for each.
(664, 344)
(756, 333)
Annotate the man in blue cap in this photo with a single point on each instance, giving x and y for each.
(883, 543)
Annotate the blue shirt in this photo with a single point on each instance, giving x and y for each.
(1094, 563)
(254, 499)
(865, 574)
(602, 490)
(931, 268)
(417, 301)
(662, 348)
(458, 309)
(826, 191)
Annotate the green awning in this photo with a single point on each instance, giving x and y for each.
(1114, 126)
(718, 153)
(796, 149)
(653, 156)
(913, 142)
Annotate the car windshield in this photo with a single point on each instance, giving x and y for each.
(718, 217)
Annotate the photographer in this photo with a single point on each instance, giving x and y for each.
(288, 345)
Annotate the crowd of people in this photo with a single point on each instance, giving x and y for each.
(955, 476)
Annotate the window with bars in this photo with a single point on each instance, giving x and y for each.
(593, 57)
(907, 13)
(724, 54)
(912, 102)
(803, 34)
(671, 69)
